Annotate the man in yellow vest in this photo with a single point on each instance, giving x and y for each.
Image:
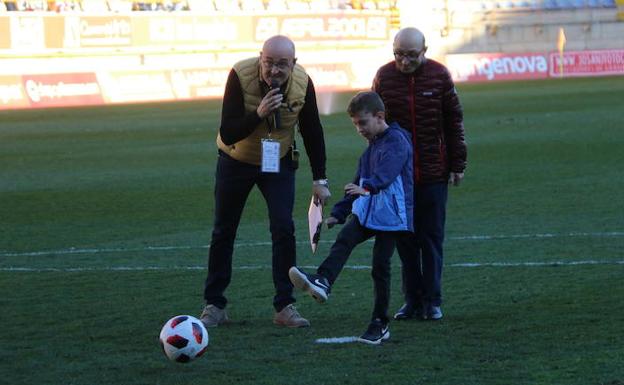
(265, 98)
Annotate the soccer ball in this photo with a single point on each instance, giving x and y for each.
(183, 338)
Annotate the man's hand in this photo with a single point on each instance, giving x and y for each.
(330, 222)
(455, 178)
(271, 102)
(353, 189)
(321, 193)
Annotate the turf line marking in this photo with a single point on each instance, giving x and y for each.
(539, 235)
(337, 340)
(72, 250)
(310, 267)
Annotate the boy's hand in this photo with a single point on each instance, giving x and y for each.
(330, 222)
(353, 189)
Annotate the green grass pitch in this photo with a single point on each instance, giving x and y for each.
(105, 218)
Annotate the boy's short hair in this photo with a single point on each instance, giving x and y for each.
(367, 101)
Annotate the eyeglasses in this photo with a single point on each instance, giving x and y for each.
(280, 65)
(409, 55)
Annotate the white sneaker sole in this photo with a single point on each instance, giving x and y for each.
(385, 337)
(301, 282)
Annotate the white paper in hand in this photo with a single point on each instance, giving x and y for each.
(315, 221)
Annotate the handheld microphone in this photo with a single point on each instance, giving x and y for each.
(278, 123)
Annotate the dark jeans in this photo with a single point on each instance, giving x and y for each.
(421, 252)
(351, 235)
(234, 181)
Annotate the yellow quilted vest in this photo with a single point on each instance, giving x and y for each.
(249, 149)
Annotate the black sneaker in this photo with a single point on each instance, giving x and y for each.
(377, 331)
(409, 311)
(433, 313)
(316, 285)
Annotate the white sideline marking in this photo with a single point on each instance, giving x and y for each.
(337, 340)
(73, 250)
(266, 267)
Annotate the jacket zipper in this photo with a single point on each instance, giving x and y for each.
(442, 157)
(412, 96)
(370, 198)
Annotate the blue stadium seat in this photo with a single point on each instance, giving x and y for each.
(564, 4)
(535, 4)
(487, 5)
(506, 4)
(609, 3)
(550, 4)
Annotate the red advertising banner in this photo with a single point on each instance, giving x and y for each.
(348, 72)
(12, 93)
(59, 90)
(587, 63)
(497, 66)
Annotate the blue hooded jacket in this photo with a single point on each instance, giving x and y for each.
(386, 170)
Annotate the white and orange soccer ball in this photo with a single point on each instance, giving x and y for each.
(183, 338)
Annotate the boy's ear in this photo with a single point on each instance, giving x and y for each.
(381, 114)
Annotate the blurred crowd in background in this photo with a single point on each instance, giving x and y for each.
(286, 5)
(194, 5)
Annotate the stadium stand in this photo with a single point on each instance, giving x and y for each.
(200, 5)
(292, 5)
(26, 6)
(276, 5)
(320, 5)
(252, 5)
(298, 5)
(120, 6)
(536, 5)
(65, 6)
(526, 25)
(226, 6)
(95, 6)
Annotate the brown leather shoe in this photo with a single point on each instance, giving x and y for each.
(290, 317)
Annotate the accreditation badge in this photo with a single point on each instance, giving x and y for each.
(270, 155)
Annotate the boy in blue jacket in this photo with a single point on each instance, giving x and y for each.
(381, 203)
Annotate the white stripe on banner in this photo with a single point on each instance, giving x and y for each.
(73, 250)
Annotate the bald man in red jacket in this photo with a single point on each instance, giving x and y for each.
(419, 94)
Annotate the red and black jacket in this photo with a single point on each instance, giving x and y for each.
(425, 102)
